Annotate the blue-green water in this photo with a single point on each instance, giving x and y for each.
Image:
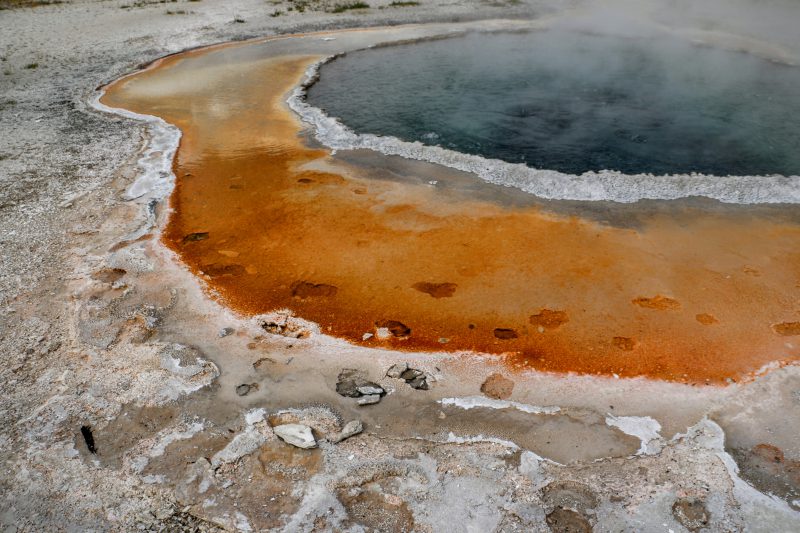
(574, 102)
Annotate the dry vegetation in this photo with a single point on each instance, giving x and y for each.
(10, 4)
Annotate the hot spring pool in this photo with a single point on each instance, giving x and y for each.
(402, 253)
(574, 102)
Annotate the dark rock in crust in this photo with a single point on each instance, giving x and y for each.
(352, 384)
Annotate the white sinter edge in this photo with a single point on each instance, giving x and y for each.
(645, 428)
(457, 439)
(472, 402)
(549, 184)
(771, 509)
(155, 179)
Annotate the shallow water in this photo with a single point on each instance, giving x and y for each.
(574, 102)
(385, 256)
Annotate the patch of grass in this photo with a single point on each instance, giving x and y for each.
(31, 66)
(341, 8)
(404, 4)
(301, 5)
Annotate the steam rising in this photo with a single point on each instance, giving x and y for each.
(721, 113)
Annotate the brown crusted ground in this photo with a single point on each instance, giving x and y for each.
(270, 223)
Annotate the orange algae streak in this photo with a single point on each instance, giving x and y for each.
(270, 223)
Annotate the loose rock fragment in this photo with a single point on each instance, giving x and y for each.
(296, 434)
(396, 370)
(354, 427)
(352, 384)
(419, 383)
(415, 378)
(224, 332)
(254, 435)
(369, 400)
(368, 390)
(411, 374)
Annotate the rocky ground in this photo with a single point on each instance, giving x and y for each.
(132, 401)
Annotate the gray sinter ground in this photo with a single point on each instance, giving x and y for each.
(99, 329)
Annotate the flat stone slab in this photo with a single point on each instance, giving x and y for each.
(296, 435)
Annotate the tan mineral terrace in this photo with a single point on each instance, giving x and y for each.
(690, 292)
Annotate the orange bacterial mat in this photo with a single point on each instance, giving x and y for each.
(270, 223)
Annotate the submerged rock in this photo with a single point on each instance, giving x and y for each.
(296, 434)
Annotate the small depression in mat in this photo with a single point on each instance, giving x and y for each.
(573, 102)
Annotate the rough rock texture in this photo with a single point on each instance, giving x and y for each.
(296, 435)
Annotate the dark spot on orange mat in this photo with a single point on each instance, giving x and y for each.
(397, 329)
(787, 329)
(662, 303)
(505, 334)
(194, 237)
(437, 290)
(218, 270)
(624, 343)
(768, 452)
(751, 271)
(304, 289)
(549, 319)
(706, 319)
